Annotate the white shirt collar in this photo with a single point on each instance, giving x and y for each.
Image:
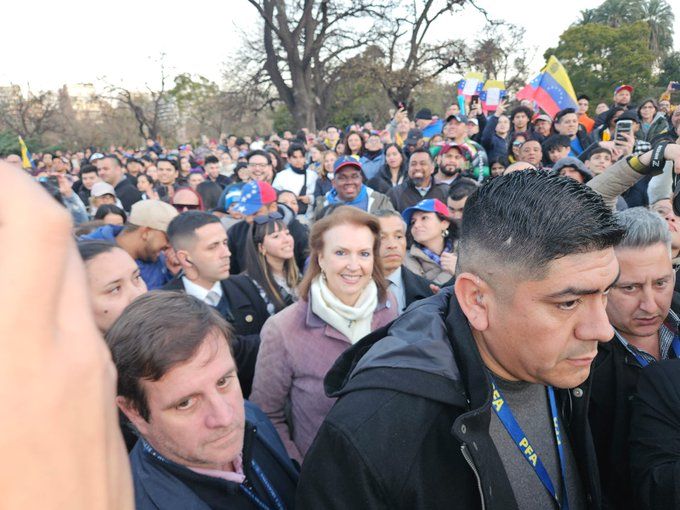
(201, 293)
(395, 278)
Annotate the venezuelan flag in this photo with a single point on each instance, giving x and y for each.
(26, 158)
(551, 89)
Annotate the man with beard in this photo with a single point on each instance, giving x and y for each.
(201, 445)
(453, 162)
(420, 184)
(458, 196)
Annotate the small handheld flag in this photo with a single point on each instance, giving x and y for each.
(26, 158)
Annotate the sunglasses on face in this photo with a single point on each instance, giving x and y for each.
(186, 207)
(263, 219)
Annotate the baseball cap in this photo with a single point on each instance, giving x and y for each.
(154, 214)
(254, 195)
(427, 205)
(542, 116)
(457, 116)
(346, 162)
(629, 115)
(96, 156)
(623, 87)
(102, 188)
(473, 121)
(424, 114)
(463, 148)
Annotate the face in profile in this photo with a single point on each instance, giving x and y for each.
(114, 281)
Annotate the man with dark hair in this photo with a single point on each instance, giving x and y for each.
(260, 166)
(520, 118)
(296, 178)
(144, 238)
(459, 192)
(200, 243)
(211, 165)
(406, 286)
(453, 161)
(531, 152)
(420, 184)
(479, 396)
(556, 147)
(111, 171)
(583, 119)
(644, 311)
(168, 173)
(201, 445)
(88, 177)
(566, 123)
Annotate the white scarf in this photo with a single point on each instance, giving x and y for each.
(352, 321)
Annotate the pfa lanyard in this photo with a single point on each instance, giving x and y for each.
(273, 496)
(530, 454)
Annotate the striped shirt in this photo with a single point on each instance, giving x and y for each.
(666, 335)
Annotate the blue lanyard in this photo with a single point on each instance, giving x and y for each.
(675, 347)
(273, 496)
(530, 454)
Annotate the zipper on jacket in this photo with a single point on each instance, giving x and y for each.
(468, 459)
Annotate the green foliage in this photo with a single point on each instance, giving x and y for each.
(282, 119)
(600, 57)
(9, 144)
(670, 69)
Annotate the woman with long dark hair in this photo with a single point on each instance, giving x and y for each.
(354, 144)
(392, 173)
(270, 261)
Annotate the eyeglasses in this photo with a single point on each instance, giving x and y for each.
(259, 166)
(266, 218)
(186, 207)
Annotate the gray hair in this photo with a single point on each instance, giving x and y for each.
(644, 228)
(389, 213)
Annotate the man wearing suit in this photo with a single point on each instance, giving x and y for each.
(406, 286)
(200, 242)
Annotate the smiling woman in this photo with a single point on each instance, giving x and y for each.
(343, 297)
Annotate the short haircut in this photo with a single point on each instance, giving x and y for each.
(182, 228)
(259, 152)
(521, 109)
(462, 188)
(583, 96)
(114, 158)
(172, 161)
(559, 115)
(421, 150)
(599, 150)
(522, 221)
(157, 331)
(295, 147)
(88, 169)
(556, 142)
(644, 228)
(91, 249)
(390, 213)
(211, 159)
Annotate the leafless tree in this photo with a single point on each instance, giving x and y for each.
(30, 115)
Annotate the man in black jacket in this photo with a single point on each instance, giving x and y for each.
(200, 242)
(110, 170)
(406, 286)
(201, 445)
(644, 312)
(479, 399)
(420, 184)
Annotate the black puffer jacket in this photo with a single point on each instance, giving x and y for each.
(411, 427)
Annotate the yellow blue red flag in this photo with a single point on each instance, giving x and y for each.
(551, 89)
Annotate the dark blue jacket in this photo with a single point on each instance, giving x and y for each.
(154, 274)
(495, 146)
(164, 485)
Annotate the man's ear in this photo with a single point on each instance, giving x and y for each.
(473, 295)
(144, 233)
(185, 261)
(130, 411)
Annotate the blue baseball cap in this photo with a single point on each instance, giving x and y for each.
(427, 205)
(346, 162)
(254, 195)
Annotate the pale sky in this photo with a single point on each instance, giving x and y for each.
(48, 44)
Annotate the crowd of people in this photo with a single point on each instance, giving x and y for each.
(474, 309)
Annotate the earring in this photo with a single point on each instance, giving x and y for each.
(445, 233)
(323, 275)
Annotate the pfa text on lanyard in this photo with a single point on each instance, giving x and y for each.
(530, 454)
